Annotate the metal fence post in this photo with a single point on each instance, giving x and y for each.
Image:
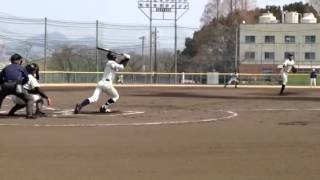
(45, 48)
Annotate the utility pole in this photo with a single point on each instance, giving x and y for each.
(97, 45)
(155, 50)
(142, 54)
(45, 47)
(155, 64)
(175, 43)
(164, 10)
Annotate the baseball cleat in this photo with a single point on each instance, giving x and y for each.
(77, 109)
(41, 114)
(104, 109)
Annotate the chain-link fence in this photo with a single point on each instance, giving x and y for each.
(71, 46)
(183, 78)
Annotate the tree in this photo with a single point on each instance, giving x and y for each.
(315, 4)
(218, 8)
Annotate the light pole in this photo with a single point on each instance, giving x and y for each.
(142, 53)
(164, 10)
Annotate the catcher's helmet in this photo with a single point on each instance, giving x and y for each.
(110, 56)
(31, 68)
(15, 57)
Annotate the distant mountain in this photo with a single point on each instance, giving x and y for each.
(33, 47)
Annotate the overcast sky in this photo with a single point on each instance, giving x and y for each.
(113, 11)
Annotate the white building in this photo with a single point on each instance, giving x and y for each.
(264, 46)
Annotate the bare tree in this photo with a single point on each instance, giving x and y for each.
(25, 49)
(218, 8)
(315, 4)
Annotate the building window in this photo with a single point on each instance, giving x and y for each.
(269, 55)
(286, 55)
(310, 56)
(310, 39)
(289, 39)
(250, 39)
(269, 39)
(250, 55)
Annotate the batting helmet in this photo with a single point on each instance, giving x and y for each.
(110, 56)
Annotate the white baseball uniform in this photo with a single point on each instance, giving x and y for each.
(105, 84)
(234, 77)
(286, 68)
(31, 84)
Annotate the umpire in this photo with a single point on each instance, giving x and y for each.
(12, 78)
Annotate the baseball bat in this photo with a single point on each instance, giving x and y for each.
(108, 50)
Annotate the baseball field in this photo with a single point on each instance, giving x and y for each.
(162, 133)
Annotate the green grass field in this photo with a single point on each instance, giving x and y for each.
(300, 80)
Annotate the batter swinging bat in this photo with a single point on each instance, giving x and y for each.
(108, 50)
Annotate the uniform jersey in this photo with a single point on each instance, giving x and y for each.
(313, 74)
(14, 72)
(111, 68)
(32, 83)
(287, 65)
(235, 75)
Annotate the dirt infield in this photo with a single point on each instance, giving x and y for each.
(168, 133)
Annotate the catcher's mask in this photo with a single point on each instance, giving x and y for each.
(32, 68)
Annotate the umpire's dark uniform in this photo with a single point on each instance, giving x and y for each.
(12, 78)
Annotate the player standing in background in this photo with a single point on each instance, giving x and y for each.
(105, 84)
(287, 66)
(234, 78)
(313, 78)
(33, 88)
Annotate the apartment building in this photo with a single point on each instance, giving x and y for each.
(264, 46)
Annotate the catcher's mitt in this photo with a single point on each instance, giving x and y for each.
(294, 70)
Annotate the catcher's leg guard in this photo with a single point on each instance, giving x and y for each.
(16, 108)
(39, 105)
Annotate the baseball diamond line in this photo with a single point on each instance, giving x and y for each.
(69, 112)
(230, 115)
(273, 109)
